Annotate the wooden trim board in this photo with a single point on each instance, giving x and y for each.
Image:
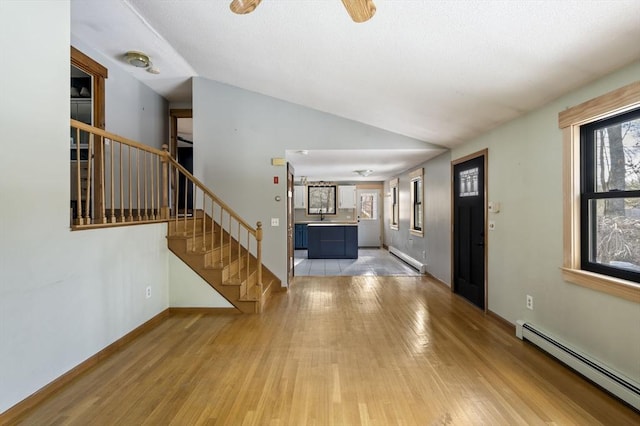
(204, 311)
(14, 413)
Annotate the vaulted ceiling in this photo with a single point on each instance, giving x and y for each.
(438, 71)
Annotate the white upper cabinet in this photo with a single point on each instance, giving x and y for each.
(299, 197)
(347, 197)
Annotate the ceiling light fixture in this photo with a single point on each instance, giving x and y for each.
(137, 59)
(363, 173)
(140, 60)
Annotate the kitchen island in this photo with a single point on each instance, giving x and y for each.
(332, 240)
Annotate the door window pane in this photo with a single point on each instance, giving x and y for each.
(469, 182)
(368, 206)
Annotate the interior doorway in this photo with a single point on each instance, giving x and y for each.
(290, 224)
(181, 148)
(469, 228)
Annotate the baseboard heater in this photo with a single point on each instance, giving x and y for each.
(421, 267)
(612, 381)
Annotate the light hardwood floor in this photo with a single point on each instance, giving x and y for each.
(361, 350)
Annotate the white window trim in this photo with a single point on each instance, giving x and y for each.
(613, 103)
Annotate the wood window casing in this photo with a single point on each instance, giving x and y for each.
(395, 205)
(613, 103)
(99, 74)
(417, 202)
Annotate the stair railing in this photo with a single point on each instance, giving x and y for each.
(117, 181)
(215, 227)
(114, 180)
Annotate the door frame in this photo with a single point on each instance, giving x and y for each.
(485, 153)
(174, 114)
(290, 225)
(379, 188)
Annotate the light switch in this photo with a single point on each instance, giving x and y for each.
(275, 221)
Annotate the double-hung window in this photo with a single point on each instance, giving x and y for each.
(601, 151)
(417, 208)
(395, 204)
(610, 196)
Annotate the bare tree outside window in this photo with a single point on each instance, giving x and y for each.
(617, 219)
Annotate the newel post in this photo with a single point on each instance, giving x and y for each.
(164, 211)
(259, 254)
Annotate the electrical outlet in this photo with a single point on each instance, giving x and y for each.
(530, 302)
(275, 221)
(147, 292)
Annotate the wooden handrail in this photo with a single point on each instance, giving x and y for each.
(99, 132)
(112, 196)
(165, 158)
(218, 201)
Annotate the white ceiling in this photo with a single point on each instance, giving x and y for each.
(341, 165)
(438, 71)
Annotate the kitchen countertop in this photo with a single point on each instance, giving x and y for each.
(332, 224)
(308, 222)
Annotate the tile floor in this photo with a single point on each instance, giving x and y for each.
(369, 262)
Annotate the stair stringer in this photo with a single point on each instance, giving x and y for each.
(242, 294)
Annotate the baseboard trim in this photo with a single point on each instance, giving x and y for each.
(503, 322)
(14, 413)
(438, 281)
(204, 311)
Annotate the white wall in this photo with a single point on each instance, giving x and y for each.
(132, 109)
(188, 290)
(436, 242)
(63, 295)
(237, 132)
(525, 250)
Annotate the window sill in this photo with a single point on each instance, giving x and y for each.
(613, 286)
(416, 233)
(393, 227)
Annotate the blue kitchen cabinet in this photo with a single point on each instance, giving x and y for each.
(300, 236)
(332, 241)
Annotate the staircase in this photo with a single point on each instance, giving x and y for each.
(124, 182)
(218, 259)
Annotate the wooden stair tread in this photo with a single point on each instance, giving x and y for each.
(253, 294)
(228, 274)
